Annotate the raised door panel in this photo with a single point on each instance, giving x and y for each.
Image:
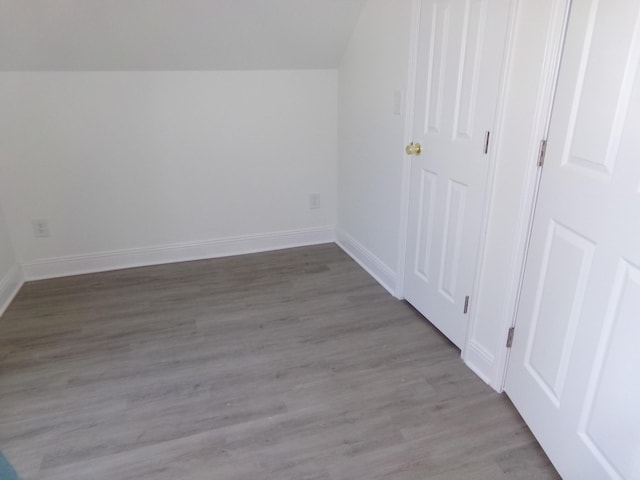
(457, 84)
(572, 371)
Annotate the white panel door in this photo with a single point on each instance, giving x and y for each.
(460, 59)
(574, 371)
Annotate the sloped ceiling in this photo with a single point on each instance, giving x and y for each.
(174, 34)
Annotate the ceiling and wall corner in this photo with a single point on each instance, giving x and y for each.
(81, 35)
(153, 131)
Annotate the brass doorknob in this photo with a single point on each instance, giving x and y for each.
(413, 149)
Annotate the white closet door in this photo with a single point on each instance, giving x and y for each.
(575, 362)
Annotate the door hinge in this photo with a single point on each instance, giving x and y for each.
(487, 135)
(466, 304)
(510, 337)
(543, 152)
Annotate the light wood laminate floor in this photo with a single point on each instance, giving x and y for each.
(288, 365)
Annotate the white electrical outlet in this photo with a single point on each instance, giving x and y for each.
(40, 228)
(314, 201)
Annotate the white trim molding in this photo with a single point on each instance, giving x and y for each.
(10, 285)
(367, 260)
(477, 357)
(498, 286)
(549, 73)
(410, 100)
(182, 252)
(480, 361)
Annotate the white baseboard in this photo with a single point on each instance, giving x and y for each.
(367, 260)
(10, 284)
(104, 261)
(479, 360)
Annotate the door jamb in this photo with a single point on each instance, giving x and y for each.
(544, 111)
(557, 29)
(414, 37)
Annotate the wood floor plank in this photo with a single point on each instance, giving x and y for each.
(287, 365)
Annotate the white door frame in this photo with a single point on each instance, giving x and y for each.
(544, 110)
(491, 365)
(414, 35)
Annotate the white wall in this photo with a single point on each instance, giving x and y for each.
(143, 167)
(371, 136)
(10, 271)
